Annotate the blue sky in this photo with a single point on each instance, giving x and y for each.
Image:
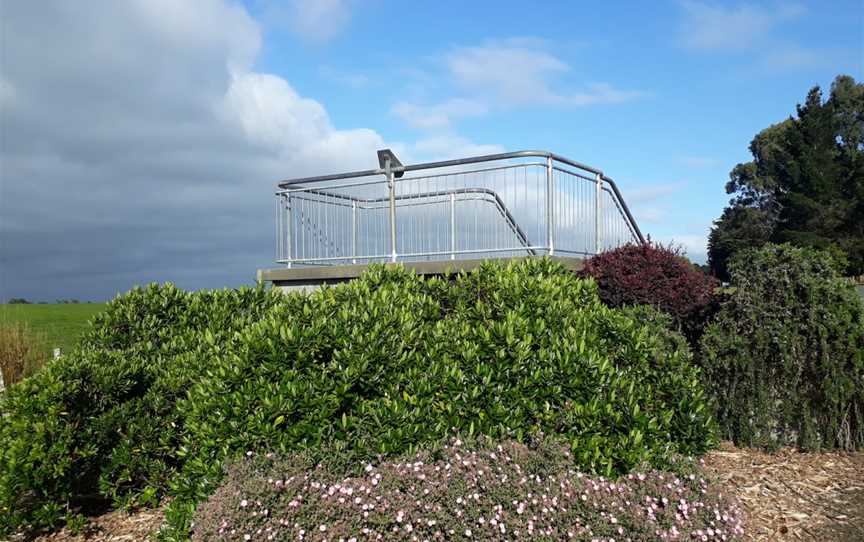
(141, 140)
(663, 96)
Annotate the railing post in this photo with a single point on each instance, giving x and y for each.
(288, 228)
(550, 211)
(598, 235)
(452, 226)
(353, 231)
(392, 186)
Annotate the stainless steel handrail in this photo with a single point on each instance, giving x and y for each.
(564, 206)
(496, 200)
(476, 160)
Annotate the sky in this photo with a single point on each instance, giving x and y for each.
(141, 140)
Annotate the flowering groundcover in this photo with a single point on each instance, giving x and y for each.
(486, 491)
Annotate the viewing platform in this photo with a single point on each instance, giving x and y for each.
(447, 216)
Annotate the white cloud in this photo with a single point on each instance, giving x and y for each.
(146, 147)
(439, 115)
(601, 93)
(315, 21)
(272, 114)
(501, 75)
(757, 29)
(654, 192)
(791, 57)
(650, 214)
(512, 72)
(644, 201)
(348, 79)
(710, 26)
(7, 93)
(443, 147)
(697, 161)
(519, 72)
(220, 28)
(695, 246)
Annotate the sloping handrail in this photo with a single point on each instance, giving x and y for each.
(399, 170)
(496, 200)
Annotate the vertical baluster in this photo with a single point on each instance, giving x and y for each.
(391, 185)
(598, 240)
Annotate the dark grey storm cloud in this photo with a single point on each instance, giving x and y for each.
(138, 144)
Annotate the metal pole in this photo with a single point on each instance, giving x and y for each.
(288, 227)
(452, 226)
(279, 249)
(391, 183)
(550, 212)
(598, 235)
(353, 232)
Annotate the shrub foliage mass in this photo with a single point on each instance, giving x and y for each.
(785, 354)
(169, 384)
(658, 276)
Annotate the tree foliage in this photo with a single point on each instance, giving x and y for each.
(805, 184)
(785, 354)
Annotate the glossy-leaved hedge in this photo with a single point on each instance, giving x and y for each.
(101, 423)
(380, 366)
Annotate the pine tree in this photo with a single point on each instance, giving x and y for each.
(805, 184)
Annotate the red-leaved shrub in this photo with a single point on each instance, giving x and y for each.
(655, 275)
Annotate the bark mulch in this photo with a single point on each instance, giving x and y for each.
(791, 496)
(787, 495)
(116, 526)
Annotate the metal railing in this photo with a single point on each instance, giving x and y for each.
(510, 204)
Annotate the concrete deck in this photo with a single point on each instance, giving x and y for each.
(310, 278)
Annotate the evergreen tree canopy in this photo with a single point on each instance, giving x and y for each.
(805, 185)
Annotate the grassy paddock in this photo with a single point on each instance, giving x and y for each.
(59, 324)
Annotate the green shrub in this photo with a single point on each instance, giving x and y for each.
(100, 423)
(661, 324)
(167, 384)
(785, 354)
(484, 491)
(388, 363)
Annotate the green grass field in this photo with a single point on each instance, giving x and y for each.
(61, 324)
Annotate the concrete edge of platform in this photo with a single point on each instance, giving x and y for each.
(310, 277)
